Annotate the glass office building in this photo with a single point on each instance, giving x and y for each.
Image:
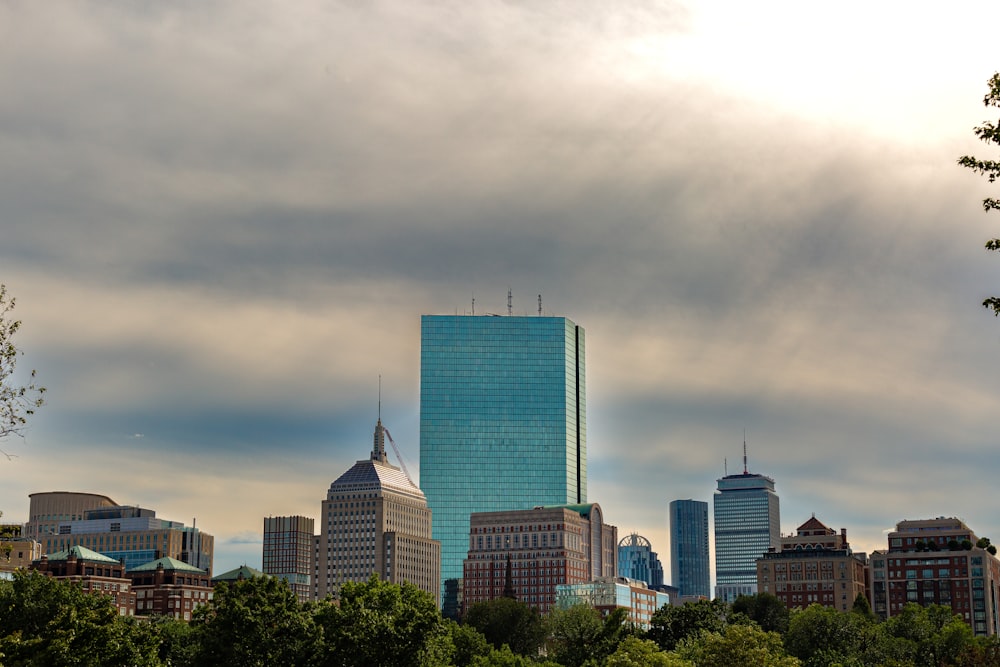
(689, 568)
(638, 561)
(747, 524)
(502, 423)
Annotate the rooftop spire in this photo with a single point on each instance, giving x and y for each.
(745, 471)
(378, 450)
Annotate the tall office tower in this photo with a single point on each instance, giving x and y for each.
(747, 525)
(288, 552)
(502, 423)
(130, 534)
(527, 553)
(637, 560)
(689, 568)
(375, 521)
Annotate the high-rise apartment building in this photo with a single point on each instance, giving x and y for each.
(376, 520)
(689, 557)
(938, 561)
(527, 553)
(814, 566)
(288, 552)
(502, 422)
(638, 561)
(747, 525)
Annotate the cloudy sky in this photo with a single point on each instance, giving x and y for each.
(223, 220)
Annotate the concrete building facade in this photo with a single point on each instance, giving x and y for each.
(747, 525)
(814, 566)
(376, 520)
(527, 553)
(46, 510)
(502, 422)
(289, 548)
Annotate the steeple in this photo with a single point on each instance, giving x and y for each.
(378, 450)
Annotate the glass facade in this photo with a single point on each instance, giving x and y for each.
(502, 421)
(638, 561)
(689, 568)
(747, 524)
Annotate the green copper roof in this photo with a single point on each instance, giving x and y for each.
(242, 572)
(169, 564)
(81, 553)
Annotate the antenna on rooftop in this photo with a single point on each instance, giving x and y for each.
(473, 303)
(725, 467)
(510, 302)
(745, 472)
(539, 305)
(380, 397)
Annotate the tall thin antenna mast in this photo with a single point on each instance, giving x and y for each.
(745, 471)
(380, 397)
(473, 303)
(510, 302)
(539, 305)
(725, 467)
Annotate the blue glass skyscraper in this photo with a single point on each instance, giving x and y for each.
(637, 560)
(689, 558)
(502, 422)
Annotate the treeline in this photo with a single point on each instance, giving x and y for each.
(259, 621)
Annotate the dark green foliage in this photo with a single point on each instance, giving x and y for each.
(45, 621)
(989, 133)
(738, 644)
(862, 607)
(256, 621)
(821, 636)
(765, 610)
(378, 624)
(467, 643)
(579, 634)
(508, 622)
(670, 624)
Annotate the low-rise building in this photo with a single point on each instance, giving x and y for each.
(17, 552)
(938, 561)
(816, 565)
(609, 593)
(95, 573)
(169, 587)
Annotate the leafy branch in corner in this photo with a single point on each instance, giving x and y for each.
(17, 401)
(989, 133)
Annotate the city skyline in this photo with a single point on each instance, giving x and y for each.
(222, 222)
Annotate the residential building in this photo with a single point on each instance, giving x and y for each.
(609, 593)
(49, 509)
(502, 423)
(530, 552)
(814, 566)
(637, 561)
(689, 556)
(375, 520)
(747, 525)
(169, 587)
(133, 535)
(938, 561)
(288, 552)
(93, 572)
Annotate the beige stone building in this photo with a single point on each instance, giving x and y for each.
(375, 520)
(528, 553)
(48, 509)
(814, 566)
(289, 547)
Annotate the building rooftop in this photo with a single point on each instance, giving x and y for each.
(80, 553)
(168, 564)
(242, 572)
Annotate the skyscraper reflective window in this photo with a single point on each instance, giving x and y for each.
(747, 524)
(689, 558)
(502, 422)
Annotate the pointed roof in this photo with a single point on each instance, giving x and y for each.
(815, 527)
(81, 553)
(376, 473)
(169, 565)
(242, 572)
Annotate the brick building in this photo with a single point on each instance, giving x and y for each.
(169, 587)
(816, 565)
(94, 573)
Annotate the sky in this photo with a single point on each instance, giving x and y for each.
(222, 222)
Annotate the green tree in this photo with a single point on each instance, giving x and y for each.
(636, 652)
(467, 642)
(927, 636)
(380, 624)
(504, 657)
(765, 610)
(670, 625)
(17, 401)
(504, 621)
(253, 622)
(821, 636)
(578, 634)
(46, 621)
(989, 133)
(738, 644)
(862, 607)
